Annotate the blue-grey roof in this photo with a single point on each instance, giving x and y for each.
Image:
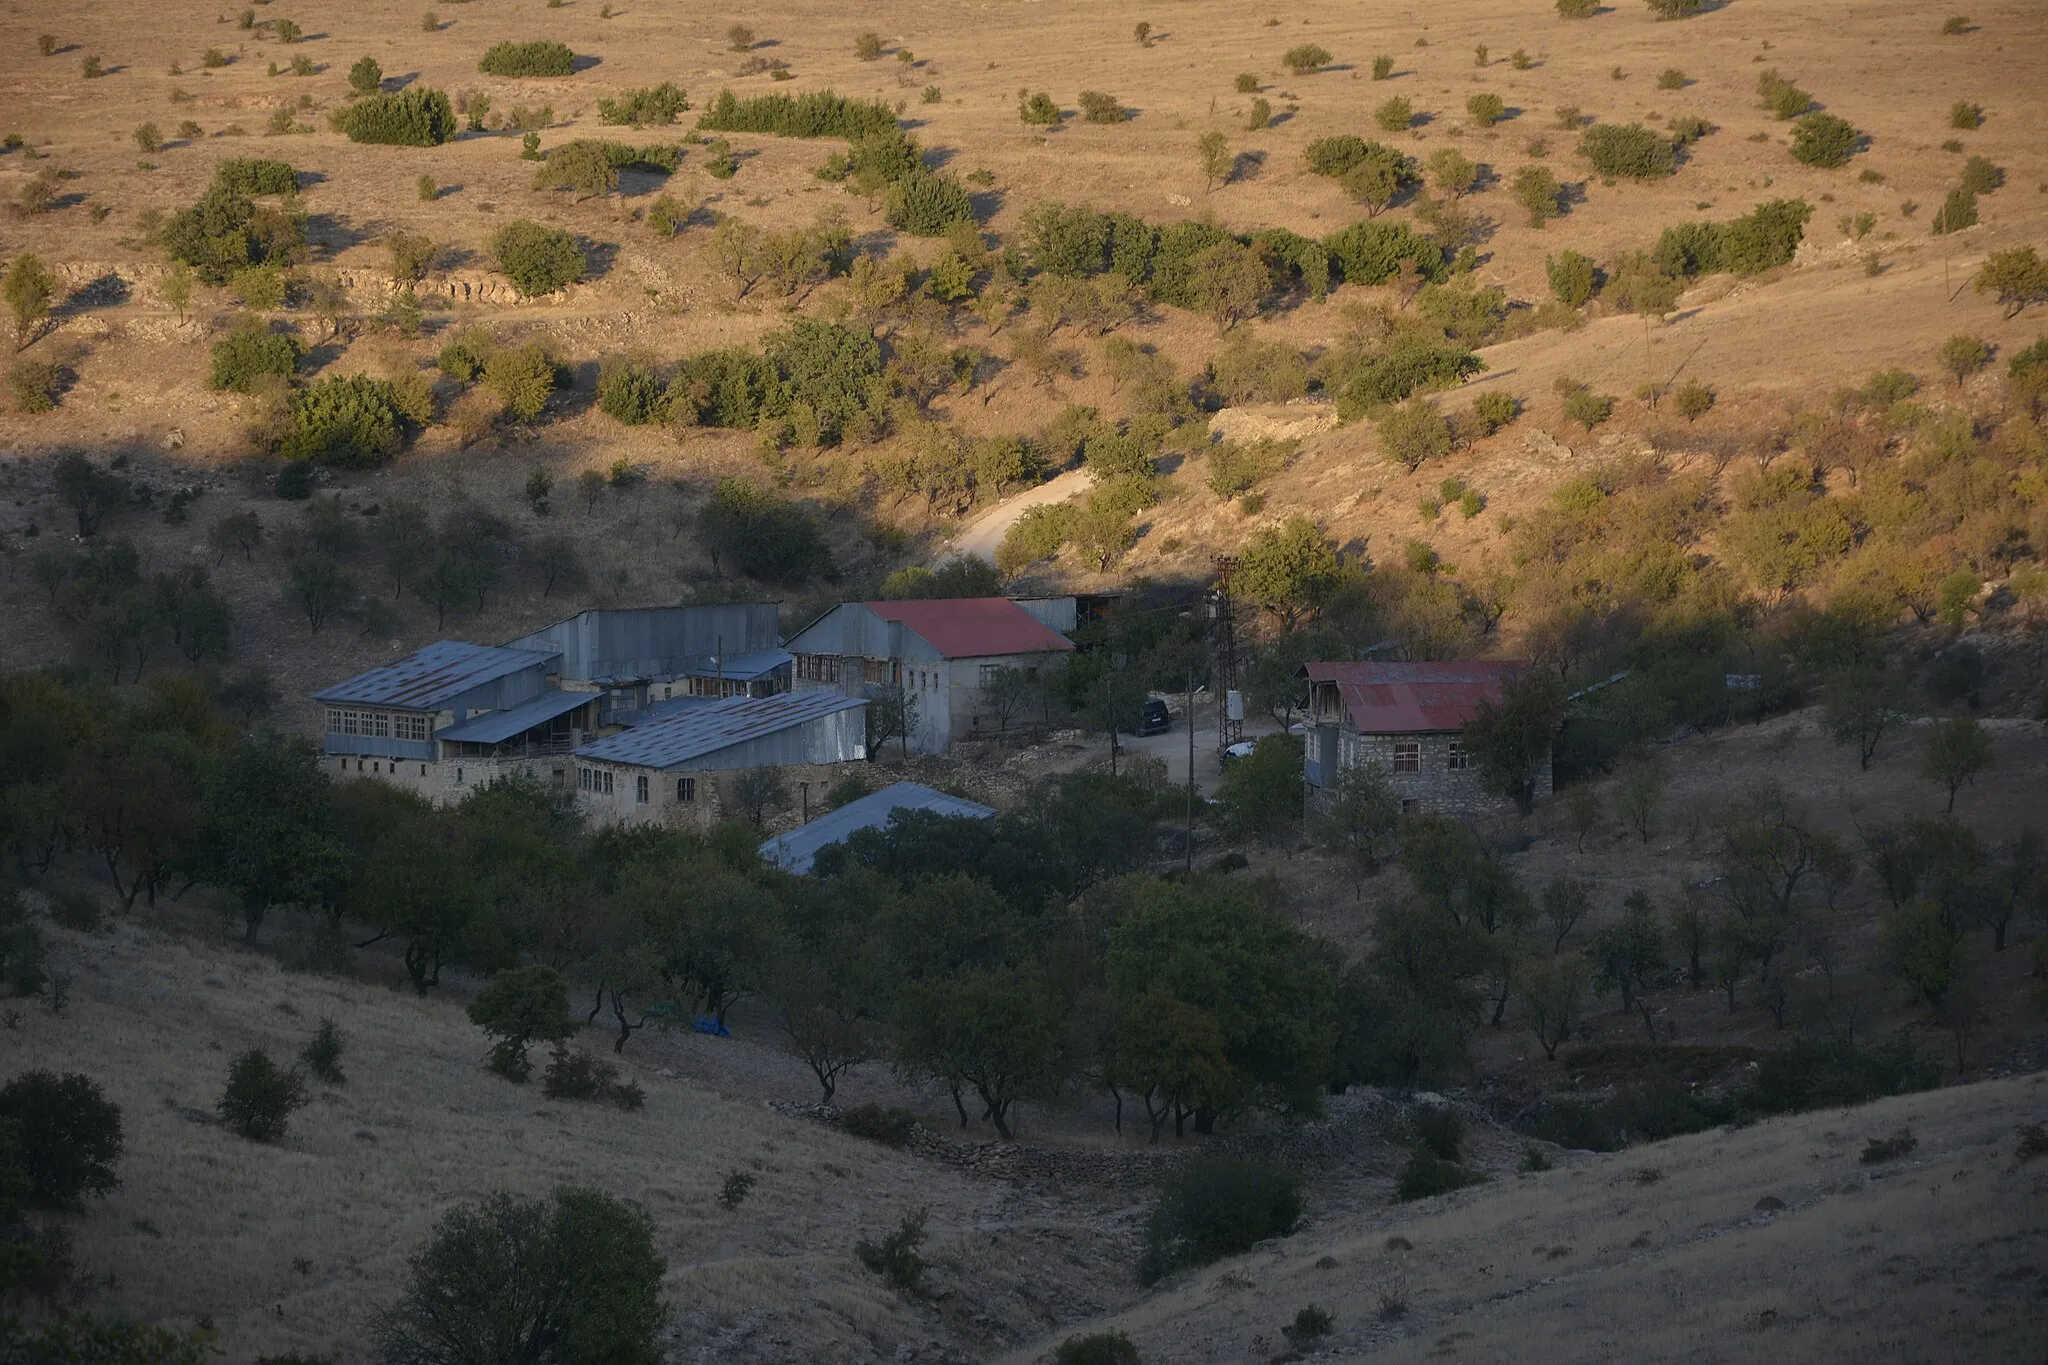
(656, 711)
(433, 674)
(494, 726)
(747, 667)
(794, 851)
(705, 730)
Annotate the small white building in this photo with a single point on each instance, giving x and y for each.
(672, 770)
(942, 652)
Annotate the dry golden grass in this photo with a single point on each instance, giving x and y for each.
(1661, 1253)
(209, 1225)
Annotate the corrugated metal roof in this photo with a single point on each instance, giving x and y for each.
(704, 730)
(794, 851)
(746, 667)
(657, 711)
(973, 627)
(494, 726)
(1411, 698)
(432, 674)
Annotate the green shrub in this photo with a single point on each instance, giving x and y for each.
(1980, 176)
(1039, 111)
(896, 1257)
(65, 1134)
(538, 259)
(1807, 1074)
(1578, 9)
(1496, 410)
(1676, 9)
(629, 391)
(321, 1056)
(1628, 151)
(1965, 115)
(34, 385)
(1413, 433)
(1428, 1174)
(1588, 409)
(149, 138)
(1216, 1206)
(1537, 190)
(261, 1097)
(1311, 1324)
(928, 203)
(251, 351)
(1236, 468)
(1395, 115)
(543, 57)
(1957, 211)
(1305, 59)
(1694, 399)
(1955, 24)
(366, 77)
(889, 1126)
(523, 377)
(818, 113)
(1440, 1129)
(1247, 83)
(649, 104)
(464, 357)
(1824, 140)
(1098, 107)
(1486, 109)
(224, 234)
(414, 117)
(1382, 67)
(1573, 278)
(1671, 78)
(1097, 1348)
(1763, 239)
(352, 421)
(1784, 99)
(1339, 156)
(573, 1074)
(1687, 129)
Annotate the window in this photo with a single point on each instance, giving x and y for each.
(989, 674)
(370, 724)
(415, 726)
(1408, 756)
(686, 789)
(1456, 758)
(458, 777)
(822, 668)
(640, 793)
(1409, 805)
(423, 770)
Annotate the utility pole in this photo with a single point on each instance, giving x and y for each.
(1189, 715)
(1228, 731)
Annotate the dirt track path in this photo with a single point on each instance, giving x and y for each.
(981, 536)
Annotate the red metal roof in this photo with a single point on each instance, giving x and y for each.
(973, 627)
(1410, 698)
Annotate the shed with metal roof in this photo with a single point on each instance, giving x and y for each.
(794, 850)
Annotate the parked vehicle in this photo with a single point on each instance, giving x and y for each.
(1153, 718)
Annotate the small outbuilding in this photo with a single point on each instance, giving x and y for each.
(795, 850)
(1409, 719)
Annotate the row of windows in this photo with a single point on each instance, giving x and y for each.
(378, 724)
(595, 780)
(822, 668)
(1408, 756)
(599, 782)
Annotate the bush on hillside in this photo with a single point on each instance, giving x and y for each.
(1765, 238)
(649, 104)
(261, 1097)
(1373, 252)
(1824, 140)
(352, 421)
(543, 57)
(1216, 1206)
(759, 533)
(1486, 109)
(1305, 59)
(928, 203)
(65, 1134)
(224, 234)
(522, 377)
(1428, 1174)
(1628, 151)
(248, 175)
(250, 352)
(1573, 278)
(538, 259)
(818, 113)
(629, 390)
(414, 117)
(1412, 433)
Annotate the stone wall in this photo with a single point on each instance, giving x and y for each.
(1439, 788)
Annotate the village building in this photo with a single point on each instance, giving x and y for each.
(677, 769)
(642, 655)
(944, 655)
(452, 716)
(795, 850)
(1408, 719)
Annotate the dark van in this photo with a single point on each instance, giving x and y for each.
(1153, 718)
